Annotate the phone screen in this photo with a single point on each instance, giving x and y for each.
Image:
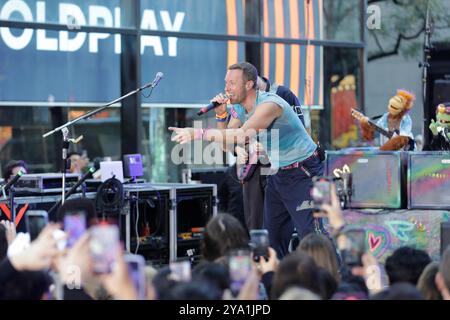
(74, 226)
(180, 271)
(354, 247)
(104, 245)
(36, 221)
(259, 241)
(136, 270)
(240, 266)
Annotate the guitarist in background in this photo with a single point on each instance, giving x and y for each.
(253, 159)
(395, 126)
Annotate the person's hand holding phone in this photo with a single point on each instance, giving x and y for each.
(332, 211)
(40, 254)
(119, 283)
(104, 243)
(259, 242)
(250, 289)
(373, 273)
(74, 226)
(75, 262)
(269, 265)
(240, 267)
(10, 230)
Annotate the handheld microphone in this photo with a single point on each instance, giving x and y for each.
(208, 108)
(8, 186)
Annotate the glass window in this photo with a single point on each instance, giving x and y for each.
(194, 70)
(101, 133)
(55, 67)
(342, 91)
(342, 20)
(73, 13)
(21, 130)
(155, 146)
(202, 16)
(292, 19)
(297, 67)
(192, 76)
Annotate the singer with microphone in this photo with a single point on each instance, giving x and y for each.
(294, 157)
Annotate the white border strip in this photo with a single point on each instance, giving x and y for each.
(116, 105)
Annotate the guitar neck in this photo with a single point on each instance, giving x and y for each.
(385, 133)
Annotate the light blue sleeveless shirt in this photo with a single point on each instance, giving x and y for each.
(286, 139)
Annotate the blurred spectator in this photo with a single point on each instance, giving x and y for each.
(222, 234)
(406, 265)
(199, 288)
(13, 167)
(319, 247)
(297, 293)
(3, 242)
(26, 285)
(297, 270)
(399, 291)
(214, 272)
(79, 205)
(78, 162)
(427, 284)
(443, 276)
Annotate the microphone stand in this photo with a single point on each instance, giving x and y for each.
(73, 189)
(11, 191)
(427, 47)
(65, 131)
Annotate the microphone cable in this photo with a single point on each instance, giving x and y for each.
(110, 198)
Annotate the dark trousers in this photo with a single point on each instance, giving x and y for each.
(230, 195)
(254, 190)
(288, 204)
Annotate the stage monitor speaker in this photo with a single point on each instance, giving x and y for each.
(429, 180)
(377, 177)
(445, 236)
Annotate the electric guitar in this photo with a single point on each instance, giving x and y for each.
(388, 134)
(246, 171)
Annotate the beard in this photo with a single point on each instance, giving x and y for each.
(238, 97)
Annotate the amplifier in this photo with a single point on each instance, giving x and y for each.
(429, 180)
(45, 182)
(377, 177)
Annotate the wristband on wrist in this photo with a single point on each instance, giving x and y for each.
(222, 116)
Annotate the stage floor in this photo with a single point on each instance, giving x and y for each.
(386, 230)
